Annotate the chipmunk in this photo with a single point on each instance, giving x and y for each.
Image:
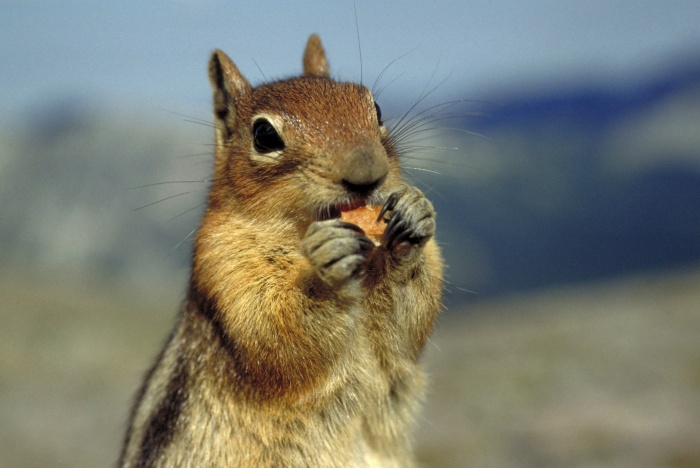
(300, 338)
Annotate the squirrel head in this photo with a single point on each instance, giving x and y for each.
(301, 147)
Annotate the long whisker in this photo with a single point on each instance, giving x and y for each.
(423, 169)
(188, 236)
(167, 182)
(434, 113)
(381, 74)
(359, 43)
(168, 198)
(260, 70)
(458, 287)
(424, 95)
(199, 205)
(189, 118)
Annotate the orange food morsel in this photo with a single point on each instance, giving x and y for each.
(366, 218)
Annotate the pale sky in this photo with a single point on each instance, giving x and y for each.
(153, 54)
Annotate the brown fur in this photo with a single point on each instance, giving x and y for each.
(299, 341)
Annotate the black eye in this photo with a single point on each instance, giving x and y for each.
(265, 137)
(379, 113)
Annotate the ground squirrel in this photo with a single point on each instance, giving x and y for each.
(299, 341)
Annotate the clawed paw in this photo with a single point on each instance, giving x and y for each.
(411, 220)
(336, 250)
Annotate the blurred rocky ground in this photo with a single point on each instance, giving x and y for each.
(604, 375)
(599, 375)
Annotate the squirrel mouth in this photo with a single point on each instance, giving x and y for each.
(334, 211)
(359, 203)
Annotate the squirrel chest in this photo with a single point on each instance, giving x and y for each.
(315, 284)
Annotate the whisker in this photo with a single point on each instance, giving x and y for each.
(418, 121)
(189, 118)
(167, 182)
(168, 198)
(423, 169)
(413, 148)
(205, 124)
(260, 70)
(381, 90)
(188, 236)
(435, 111)
(424, 95)
(187, 211)
(436, 161)
(359, 43)
(458, 287)
(468, 132)
(194, 155)
(381, 74)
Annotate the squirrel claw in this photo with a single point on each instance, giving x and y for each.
(411, 223)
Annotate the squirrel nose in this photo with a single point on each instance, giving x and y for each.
(363, 169)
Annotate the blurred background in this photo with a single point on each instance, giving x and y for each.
(558, 140)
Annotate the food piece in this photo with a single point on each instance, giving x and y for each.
(366, 218)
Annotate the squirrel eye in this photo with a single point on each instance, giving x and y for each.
(265, 137)
(379, 114)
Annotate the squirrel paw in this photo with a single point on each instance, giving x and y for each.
(336, 250)
(411, 222)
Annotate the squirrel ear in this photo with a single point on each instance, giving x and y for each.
(228, 85)
(315, 63)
